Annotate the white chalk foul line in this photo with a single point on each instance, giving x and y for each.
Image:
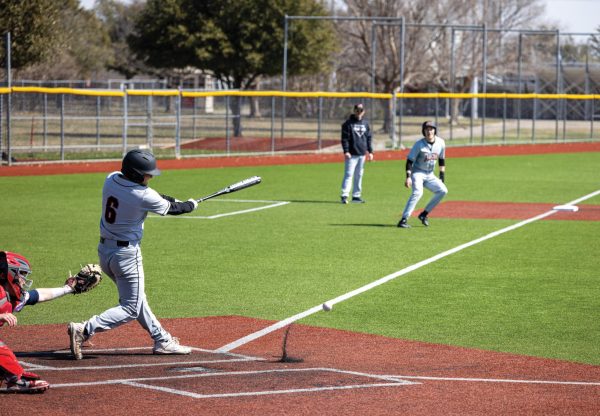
(501, 380)
(147, 365)
(233, 357)
(381, 381)
(262, 392)
(270, 204)
(281, 324)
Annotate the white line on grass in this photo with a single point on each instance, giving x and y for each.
(281, 324)
(272, 204)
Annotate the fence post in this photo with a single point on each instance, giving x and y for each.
(1, 123)
(393, 120)
(98, 103)
(483, 81)
(593, 109)
(62, 127)
(227, 142)
(504, 119)
(194, 115)
(320, 122)
(178, 125)
(533, 116)
(125, 116)
(8, 99)
(272, 124)
(558, 82)
(45, 122)
(149, 132)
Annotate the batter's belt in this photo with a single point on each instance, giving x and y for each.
(113, 243)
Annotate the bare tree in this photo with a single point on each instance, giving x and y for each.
(435, 34)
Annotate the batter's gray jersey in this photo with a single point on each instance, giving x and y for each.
(425, 155)
(125, 205)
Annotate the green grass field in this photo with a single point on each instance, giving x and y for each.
(534, 290)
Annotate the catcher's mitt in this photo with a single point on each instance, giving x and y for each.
(86, 279)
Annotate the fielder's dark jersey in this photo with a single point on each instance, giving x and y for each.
(356, 136)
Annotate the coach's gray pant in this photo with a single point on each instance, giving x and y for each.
(124, 266)
(354, 167)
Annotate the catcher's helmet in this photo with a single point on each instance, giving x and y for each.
(428, 124)
(14, 270)
(138, 163)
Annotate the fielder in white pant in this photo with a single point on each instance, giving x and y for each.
(420, 165)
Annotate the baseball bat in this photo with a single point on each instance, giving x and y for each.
(246, 183)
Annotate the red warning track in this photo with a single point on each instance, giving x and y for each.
(337, 372)
(263, 160)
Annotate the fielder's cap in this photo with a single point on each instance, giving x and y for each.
(359, 106)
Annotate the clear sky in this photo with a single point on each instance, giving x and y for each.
(582, 16)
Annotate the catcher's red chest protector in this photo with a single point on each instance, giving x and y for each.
(5, 305)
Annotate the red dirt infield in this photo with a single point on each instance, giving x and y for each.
(510, 210)
(339, 373)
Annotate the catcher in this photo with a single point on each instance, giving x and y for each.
(15, 294)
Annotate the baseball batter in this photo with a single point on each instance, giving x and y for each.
(420, 165)
(126, 201)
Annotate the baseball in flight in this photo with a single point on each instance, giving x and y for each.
(327, 306)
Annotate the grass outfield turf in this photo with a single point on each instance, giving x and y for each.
(530, 291)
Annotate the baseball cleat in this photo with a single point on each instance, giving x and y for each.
(171, 347)
(22, 386)
(344, 200)
(29, 376)
(358, 200)
(423, 219)
(403, 223)
(76, 338)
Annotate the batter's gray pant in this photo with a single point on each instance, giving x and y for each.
(429, 181)
(124, 266)
(354, 167)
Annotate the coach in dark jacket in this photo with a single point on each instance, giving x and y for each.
(356, 144)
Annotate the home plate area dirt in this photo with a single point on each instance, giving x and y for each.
(328, 371)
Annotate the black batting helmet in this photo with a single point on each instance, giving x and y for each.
(138, 163)
(428, 124)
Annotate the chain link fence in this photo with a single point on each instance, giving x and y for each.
(41, 125)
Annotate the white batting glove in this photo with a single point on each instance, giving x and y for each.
(194, 203)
